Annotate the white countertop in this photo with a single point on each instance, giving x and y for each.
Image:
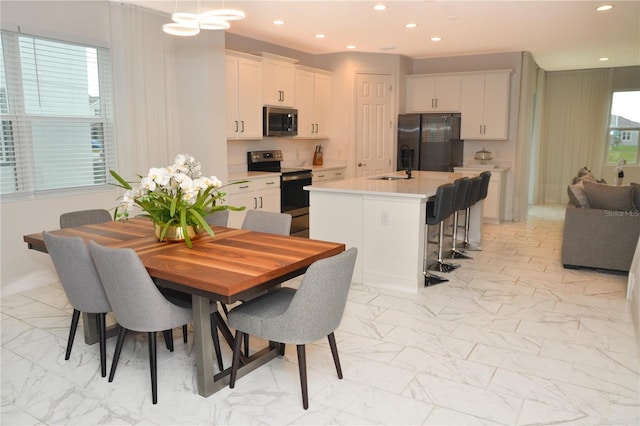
(422, 185)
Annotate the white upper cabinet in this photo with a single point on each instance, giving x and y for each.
(244, 100)
(485, 106)
(279, 81)
(433, 93)
(313, 98)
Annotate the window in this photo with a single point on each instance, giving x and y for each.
(624, 127)
(55, 109)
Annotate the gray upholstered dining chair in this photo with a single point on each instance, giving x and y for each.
(301, 316)
(82, 285)
(269, 222)
(219, 218)
(84, 217)
(136, 302)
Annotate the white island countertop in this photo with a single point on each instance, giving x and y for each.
(421, 185)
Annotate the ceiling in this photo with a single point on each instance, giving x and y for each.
(560, 35)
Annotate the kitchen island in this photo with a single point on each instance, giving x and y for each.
(385, 220)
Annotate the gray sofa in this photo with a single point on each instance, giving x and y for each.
(599, 238)
(601, 225)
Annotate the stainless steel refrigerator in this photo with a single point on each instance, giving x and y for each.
(429, 142)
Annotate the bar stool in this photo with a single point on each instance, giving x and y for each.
(479, 191)
(437, 211)
(460, 199)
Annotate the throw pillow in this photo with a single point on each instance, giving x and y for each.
(608, 197)
(577, 195)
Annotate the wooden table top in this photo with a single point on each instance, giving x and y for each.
(232, 266)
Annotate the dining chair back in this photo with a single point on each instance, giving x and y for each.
(289, 316)
(136, 302)
(219, 218)
(81, 284)
(269, 222)
(84, 217)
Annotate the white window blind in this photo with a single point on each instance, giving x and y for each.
(56, 112)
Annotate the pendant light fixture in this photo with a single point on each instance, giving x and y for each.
(190, 24)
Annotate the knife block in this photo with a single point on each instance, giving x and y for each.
(317, 158)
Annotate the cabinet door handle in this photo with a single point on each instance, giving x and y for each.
(243, 187)
(317, 128)
(270, 183)
(236, 123)
(255, 203)
(311, 127)
(242, 126)
(321, 176)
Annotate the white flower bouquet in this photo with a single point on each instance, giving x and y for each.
(176, 195)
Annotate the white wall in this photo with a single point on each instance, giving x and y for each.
(185, 114)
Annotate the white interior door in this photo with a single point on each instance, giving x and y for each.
(374, 127)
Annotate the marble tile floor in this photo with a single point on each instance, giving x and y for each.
(511, 339)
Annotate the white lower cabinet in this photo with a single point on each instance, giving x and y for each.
(328, 175)
(493, 208)
(255, 194)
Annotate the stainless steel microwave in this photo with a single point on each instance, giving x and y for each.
(279, 121)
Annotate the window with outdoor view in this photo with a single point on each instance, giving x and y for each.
(55, 109)
(624, 127)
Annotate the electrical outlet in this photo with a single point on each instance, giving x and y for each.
(385, 218)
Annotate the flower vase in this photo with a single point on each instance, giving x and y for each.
(175, 233)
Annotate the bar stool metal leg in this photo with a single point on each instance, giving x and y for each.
(441, 265)
(429, 278)
(455, 252)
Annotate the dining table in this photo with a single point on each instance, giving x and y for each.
(234, 265)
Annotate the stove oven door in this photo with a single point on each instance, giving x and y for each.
(295, 201)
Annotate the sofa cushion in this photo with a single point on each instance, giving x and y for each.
(577, 196)
(609, 197)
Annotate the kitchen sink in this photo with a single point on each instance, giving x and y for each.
(388, 178)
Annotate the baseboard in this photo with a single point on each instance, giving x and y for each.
(29, 282)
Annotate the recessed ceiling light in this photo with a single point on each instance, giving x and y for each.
(604, 59)
(436, 38)
(351, 46)
(411, 25)
(278, 22)
(604, 7)
(320, 36)
(379, 7)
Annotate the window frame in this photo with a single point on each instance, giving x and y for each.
(23, 123)
(622, 131)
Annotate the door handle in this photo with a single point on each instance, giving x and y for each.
(236, 126)
(362, 164)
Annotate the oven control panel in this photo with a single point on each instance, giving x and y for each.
(261, 156)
